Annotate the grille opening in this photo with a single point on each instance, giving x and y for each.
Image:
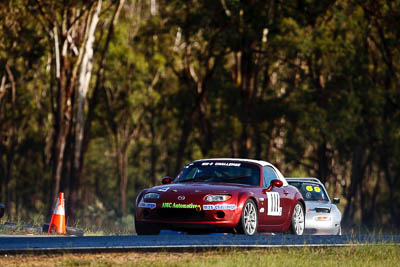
(181, 214)
(146, 213)
(220, 214)
(324, 210)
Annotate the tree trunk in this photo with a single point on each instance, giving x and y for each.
(62, 127)
(83, 87)
(122, 161)
(369, 213)
(388, 177)
(186, 130)
(9, 202)
(359, 164)
(323, 162)
(153, 152)
(99, 81)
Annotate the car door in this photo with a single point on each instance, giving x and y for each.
(272, 211)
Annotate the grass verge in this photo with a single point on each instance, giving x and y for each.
(368, 255)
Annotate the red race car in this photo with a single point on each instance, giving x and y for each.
(222, 195)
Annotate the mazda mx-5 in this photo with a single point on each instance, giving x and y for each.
(322, 215)
(222, 195)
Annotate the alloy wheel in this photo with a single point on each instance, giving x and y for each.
(298, 219)
(250, 218)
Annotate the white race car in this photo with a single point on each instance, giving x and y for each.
(322, 215)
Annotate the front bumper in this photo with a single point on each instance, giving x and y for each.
(189, 218)
(321, 227)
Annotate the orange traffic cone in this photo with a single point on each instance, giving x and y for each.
(58, 218)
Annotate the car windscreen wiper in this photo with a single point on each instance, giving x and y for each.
(199, 178)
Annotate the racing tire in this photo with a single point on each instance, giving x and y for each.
(144, 228)
(249, 219)
(298, 221)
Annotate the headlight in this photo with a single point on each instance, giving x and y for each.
(152, 196)
(322, 218)
(217, 198)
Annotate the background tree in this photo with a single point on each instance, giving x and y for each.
(102, 98)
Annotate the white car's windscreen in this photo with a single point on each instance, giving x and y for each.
(311, 191)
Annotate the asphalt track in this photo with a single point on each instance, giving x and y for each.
(167, 242)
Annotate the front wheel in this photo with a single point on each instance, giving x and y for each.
(297, 225)
(146, 228)
(248, 221)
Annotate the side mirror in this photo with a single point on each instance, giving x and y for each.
(336, 200)
(276, 183)
(166, 180)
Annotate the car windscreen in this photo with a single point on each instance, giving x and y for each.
(310, 191)
(220, 172)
